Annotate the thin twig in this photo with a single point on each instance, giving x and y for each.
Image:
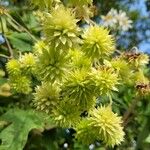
(6, 40)
(23, 28)
(2, 55)
(118, 51)
(9, 47)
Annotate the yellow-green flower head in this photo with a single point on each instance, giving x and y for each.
(143, 89)
(51, 65)
(46, 97)
(66, 114)
(85, 132)
(139, 77)
(13, 67)
(80, 2)
(106, 80)
(20, 84)
(97, 42)
(80, 87)
(85, 12)
(79, 60)
(108, 126)
(137, 59)
(60, 28)
(28, 62)
(123, 68)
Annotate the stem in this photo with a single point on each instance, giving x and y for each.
(1, 55)
(23, 28)
(118, 51)
(91, 22)
(9, 47)
(110, 100)
(127, 114)
(7, 42)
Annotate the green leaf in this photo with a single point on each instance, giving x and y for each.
(15, 135)
(20, 41)
(147, 140)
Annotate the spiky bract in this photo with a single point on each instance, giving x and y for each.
(40, 46)
(51, 65)
(139, 77)
(13, 67)
(85, 132)
(108, 125)
(123, 68)
(28, 62)
(80, 87)
(46, 97)
(97, 42)
(20, 84)
(79, 60)
(67, 113)
(106, 80)
(60, 28)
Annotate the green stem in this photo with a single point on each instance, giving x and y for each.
(110, 100)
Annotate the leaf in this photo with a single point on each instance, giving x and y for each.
(20, 41)
(15, 135)
(147, 140)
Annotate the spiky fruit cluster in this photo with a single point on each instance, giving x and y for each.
(85, 133)
(60, 28)
(20, 72)
(106, 80)
(79, 60)
(28, 63)
(97, 42)
(108, 125)
(66, 114)
(20, 84)
(79, 86)
(51, 65)
(105, 126)
(46, 97)
(122, 67)
(14, 67)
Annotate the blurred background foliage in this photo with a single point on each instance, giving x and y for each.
(19, 31)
